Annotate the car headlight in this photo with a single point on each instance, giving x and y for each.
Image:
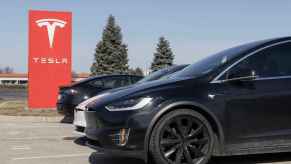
(131, 104)
(59, 97)
(71, 91)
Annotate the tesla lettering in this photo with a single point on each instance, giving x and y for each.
(50, 60)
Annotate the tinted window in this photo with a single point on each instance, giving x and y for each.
(96, 83)
(154, 76)
(135, 79)
(162, 73)
(114, 82)
(271, 62)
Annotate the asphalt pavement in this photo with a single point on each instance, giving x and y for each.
(13, 94)
(35, 140)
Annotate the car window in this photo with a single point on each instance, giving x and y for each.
(135, 79)
(117, 81)
(154, 76)
(271, 62)
(96, 83)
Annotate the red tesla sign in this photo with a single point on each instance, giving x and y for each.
(49, 56)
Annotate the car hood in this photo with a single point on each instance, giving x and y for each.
(135, 90)
(117, 89)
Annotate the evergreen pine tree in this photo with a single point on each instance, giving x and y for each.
(163, 57)
(110, 54)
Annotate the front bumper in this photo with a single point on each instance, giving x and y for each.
(114, 152)
(66, 109)
(118, 133)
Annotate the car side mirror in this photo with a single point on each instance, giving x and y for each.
(242, 75)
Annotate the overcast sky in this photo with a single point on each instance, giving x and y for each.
(194, 28)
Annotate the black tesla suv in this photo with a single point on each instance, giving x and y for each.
(235, 102)
(71, 96)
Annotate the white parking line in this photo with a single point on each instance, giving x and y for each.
(7, 102)
(23, 147)
(35, 138)
(12, 133)
(4, 103)
(52, 156)
(32, 127)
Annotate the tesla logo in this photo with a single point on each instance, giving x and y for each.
(51, 25)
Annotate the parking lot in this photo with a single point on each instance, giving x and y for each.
(34, 140)
(30, 140)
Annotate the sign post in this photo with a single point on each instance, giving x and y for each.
(49, 61)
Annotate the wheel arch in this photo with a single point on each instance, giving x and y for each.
(214, 122)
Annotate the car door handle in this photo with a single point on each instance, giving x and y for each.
(214, 95)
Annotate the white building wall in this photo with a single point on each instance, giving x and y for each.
(18, 80)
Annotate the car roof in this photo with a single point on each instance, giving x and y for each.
(100, 77)
(270, 41)
(246, 48)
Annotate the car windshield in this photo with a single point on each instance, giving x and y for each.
(83, 81)
(153, 76)
(212, 62)
(163, 73)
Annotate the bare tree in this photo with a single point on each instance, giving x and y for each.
(74, 74)
(7, 69)
(137, 71)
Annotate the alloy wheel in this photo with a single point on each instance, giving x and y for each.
(184, 140)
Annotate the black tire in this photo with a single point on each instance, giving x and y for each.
(182, 136)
